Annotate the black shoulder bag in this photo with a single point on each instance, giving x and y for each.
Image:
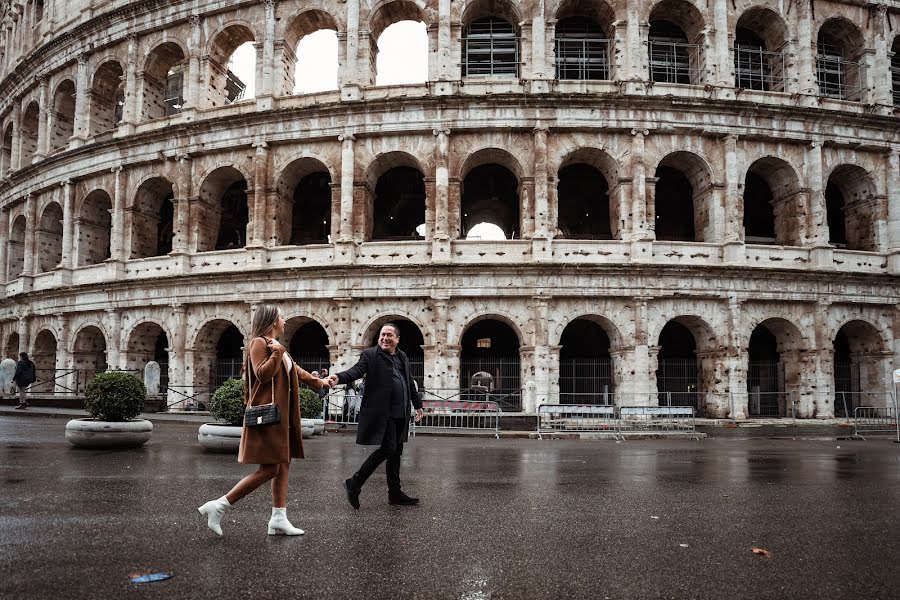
(263, 414)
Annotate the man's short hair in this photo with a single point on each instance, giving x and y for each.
(392, 326)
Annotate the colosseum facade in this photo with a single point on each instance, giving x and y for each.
(697, 202)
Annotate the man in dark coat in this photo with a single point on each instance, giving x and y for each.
(383, 413)
(25, 375)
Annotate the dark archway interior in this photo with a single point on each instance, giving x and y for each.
(585, 364)
(677, 373)
(583, 197)
(765, 375)
(759, 214)
(674, 206)
(164, 228)
(234, 217)
(399, 204)
(490, 194)
(309, 347)
(834, 206)
(669, 58)
(311, 219)
(161, 356)
(229, 356)
(492, 347)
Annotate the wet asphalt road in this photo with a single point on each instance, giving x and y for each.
(499, 519)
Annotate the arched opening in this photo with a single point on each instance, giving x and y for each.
(88, 356)
(225, 228)
(678, 368)
(149, 342)
(411, 342)
(218, 356)
(107, 97)
(311, 54)
(163, 82)
(759, 42)
(43, 354)
(490, 43)
(773, 205)
(399, 44)
(6, 151)
(852, 208)
(229, 356)
(675, 42)
(585, 364)
(28, 134)
(491, 346)
(490, 194)
(681, 198)
(838, 70)
(49, 238)
(15, 261)
(583, 199)
(895, 70)
(307, 342)
(861, 368)
(583, 41)
(399, 205)
(93, 228)
(152, 219)
(11, 349)
(63, 116)
(232, 66)
(304, 210)
(765, 376)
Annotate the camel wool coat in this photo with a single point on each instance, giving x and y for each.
(273, 444)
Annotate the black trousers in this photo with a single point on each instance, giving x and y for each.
(391, 450)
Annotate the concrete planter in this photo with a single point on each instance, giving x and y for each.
(319, 428)
(216, 437)
(90, 433)
(308, 427)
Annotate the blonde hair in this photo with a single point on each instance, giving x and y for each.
(263, 320)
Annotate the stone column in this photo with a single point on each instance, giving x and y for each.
(440, 250)
(64, 359)
(436, 378)
(181, 226)
(350, 77)
(892, 185)
(736, 362)
(539, 69)
(806, 52)
(724, 62)
(640, 228)
(195, 49)
(638, 62)
(178, 376)
(347, 176)
(15, 155)
(266, 88)
(734, 207)
(644, 382)
(81, 97)
(117, 234)
(68, 187)
(24, 330)
(821, 394)
(260, 179)
(114, 350)
(131, 109)
(541, 205)
(30, 259)
(817, 218)
(880, 71)
(4, 248)
(43, 122)
(540, 367)
(445, 50)
(343, 358)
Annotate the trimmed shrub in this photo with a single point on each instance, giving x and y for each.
(228, 402)
(115, 396)
(310, 404)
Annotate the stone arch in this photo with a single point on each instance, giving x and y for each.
(28, 133)
(306, 199)
(507, 9)
(224, 87)
(853, 208)
(152, 213)
(11, 346)
(840, 45)
(309, 21)
(681, 200)
(93, 228)
(49, 237)
(225, 226)
(491, 191)
(761, 37)
(772, 186)
(107, 99)
(676, 39)
(584, 37)
(776, 366)
(15, 260)
(311, 355)
(63, 116)
(386, 13)
(6, 149)
(583, 185)
(490, 38)
(163, 79)
(587, 370)
(88, 354)
(686, 348)
(142, 346)
(43, 353)
(492, 343)
(371, 327)
(766, 23)
(861, 366)
(396, 197)
(493, 314)
(211, 369)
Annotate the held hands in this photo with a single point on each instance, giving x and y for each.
(419, 414)
(326, 383)
(332, 380)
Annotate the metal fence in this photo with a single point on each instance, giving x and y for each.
(895, 80)
(870, 420)
(770, 405)
(572, 418)
(68, 382)
(582, 58)
(675, 62)
(459, 415)
(490, 48)
(657, 419)
(839, 78)
(757, 69)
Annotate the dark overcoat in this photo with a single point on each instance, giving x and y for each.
(273, 444)
(375, 409)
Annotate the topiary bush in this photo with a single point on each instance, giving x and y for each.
(310, 404)
(228, 402)
(115, 396)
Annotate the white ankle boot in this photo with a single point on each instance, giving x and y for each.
(214, 511)
(279, 524)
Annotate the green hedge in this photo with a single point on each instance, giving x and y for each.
(115, 396)
(228, 402)
(310, 404)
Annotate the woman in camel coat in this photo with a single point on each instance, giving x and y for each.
(270, 375)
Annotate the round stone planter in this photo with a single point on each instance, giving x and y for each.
(319, 426)
(216, 437)
(91, 433)
(308, 427)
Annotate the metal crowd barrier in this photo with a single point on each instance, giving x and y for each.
(460, 414)
(576, 418)
(871, 420)
(657, 419)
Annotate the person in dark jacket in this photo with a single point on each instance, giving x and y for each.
(25, 375)
(383, 413)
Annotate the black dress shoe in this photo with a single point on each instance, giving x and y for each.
(402, 499)
(352, 493)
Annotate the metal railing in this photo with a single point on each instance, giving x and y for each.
(895, 84)
(839, 78)
(189, 397)
(757, 69)
(582, 58)
(871, 420)
(443, 414)
(657, 419)
(490, 48)
(770, 405)
(576, 418)
(675, 62)
(68, 382)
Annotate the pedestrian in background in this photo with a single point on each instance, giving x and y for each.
(270, 375)
(25, 375)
